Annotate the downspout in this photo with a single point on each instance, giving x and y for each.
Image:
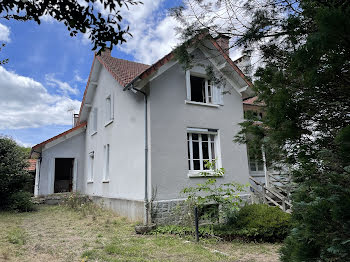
(146, 200)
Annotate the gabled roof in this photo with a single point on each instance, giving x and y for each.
(59, 135)
(123, 71)
(253, 101)
(127, 72)
(32, 165)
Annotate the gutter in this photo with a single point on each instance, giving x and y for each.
(130, 86)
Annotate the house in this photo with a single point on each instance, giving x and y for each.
(31, 165)
(144, 132)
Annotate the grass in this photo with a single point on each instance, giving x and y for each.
(58, 233)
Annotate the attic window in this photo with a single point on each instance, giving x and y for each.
(201, 90)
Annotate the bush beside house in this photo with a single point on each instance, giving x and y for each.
(14, 177)
(255, 222)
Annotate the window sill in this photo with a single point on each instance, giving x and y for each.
(90, 182)
(94, 133)
(105, 181)
(198, 174)
(201, 104)
(109, 122)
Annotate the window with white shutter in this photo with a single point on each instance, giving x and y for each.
(202, 90)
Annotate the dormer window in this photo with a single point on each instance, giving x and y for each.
(200, 90)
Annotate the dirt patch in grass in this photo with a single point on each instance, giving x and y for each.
(57, 233)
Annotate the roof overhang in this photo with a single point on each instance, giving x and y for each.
(90, 89)
(37, 149)
(215, 55)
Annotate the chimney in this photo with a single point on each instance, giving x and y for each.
(224, 43)
(244, 63)
(75, 120)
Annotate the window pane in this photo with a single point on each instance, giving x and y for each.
(188, 149)
(108, 108)
(196, 165)
(209, 94)
(252, 166)
(195, 150)
(197, 89)
(204, 165)
(205, 150)
(204, 137)
(213, 150)
(194, 137)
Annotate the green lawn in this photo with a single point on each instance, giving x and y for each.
(56, 233)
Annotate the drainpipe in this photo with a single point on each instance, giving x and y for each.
(146, 200)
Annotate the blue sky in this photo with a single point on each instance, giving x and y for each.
(47, 71)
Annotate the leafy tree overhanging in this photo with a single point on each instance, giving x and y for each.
(79, 16)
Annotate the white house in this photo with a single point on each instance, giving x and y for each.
(145, 131)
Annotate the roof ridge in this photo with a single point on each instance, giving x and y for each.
(129, 61)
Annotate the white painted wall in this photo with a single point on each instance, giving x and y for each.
(126, 138)
(73, 147)
(169, 119)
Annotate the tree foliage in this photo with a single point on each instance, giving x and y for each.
(212, 194)
(304, 80)
(13, 176)
(79, 16)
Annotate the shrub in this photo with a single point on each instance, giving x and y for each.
(75, 200)
(81, 203)
(21, 201)
(13, 176)
(213, 198)
(258, 222)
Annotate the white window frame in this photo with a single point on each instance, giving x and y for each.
(106, 168)
(200, 131)
(93, 120)
(216, 94)
(109, 112)
(91, 167)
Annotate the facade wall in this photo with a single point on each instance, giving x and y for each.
(125, 135)
(170, 117)
(73, 147)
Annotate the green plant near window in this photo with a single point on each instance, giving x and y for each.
(214, 199)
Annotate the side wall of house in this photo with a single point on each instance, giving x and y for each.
(170, 117)
(125, 135)
(73, 147)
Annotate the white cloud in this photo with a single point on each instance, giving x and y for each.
(64, 87)
(26, 103)
(153, 32)
(47, 18)
(21, 143)
(78, 78)
(4, 33)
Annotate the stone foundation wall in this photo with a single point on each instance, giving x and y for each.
(175, 212)
(169, 212)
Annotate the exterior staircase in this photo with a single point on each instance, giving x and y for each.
(275, 192)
